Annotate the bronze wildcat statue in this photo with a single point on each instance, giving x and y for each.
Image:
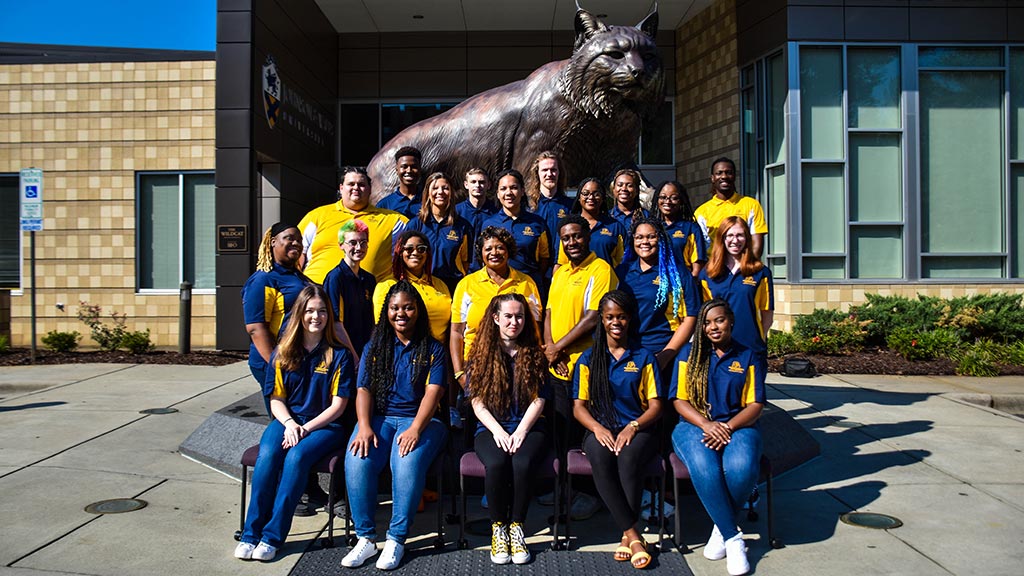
(586, 109)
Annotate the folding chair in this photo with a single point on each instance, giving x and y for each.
(681, 472)
(333, 463)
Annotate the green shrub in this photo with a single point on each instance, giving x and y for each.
(914, 345)
(5, 344)
(883, 315)
(781, 343)
(1015, 353)
(108, 337)
(978, 359)
(137, 342)
(826, 331)
(996, 316)
(61, 341)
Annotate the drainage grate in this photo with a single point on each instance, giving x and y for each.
(158, 411)
(871, 520)
(116, 506)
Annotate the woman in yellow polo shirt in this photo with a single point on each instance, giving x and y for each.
(411, 262)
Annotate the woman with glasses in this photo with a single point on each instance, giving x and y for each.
(450, 236)
(411, 262)
(607, 236)
(349, 287)
(676, 216)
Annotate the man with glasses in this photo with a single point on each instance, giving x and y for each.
(349, 287)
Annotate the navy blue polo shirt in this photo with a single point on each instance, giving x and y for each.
(268, 297)
(475, 215)
(533, 242)
(688, 244)
(451, 246)
(408, 389)
(734, 380)
(607, 240)
(351, 297)
(655, 325)
(509, 422)
(748, 296)
(396, 201)
(634, 380)
(308, 391)
(552, 210)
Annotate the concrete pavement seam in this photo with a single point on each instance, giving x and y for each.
(59, 386)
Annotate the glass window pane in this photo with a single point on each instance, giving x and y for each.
(876, 178)
(158, 231)
(656, 137)
(961, 161)
(824, 209)
(778, 267)
(929, 57)
(1017, 104)
(748, 120)
(1017, 222)
(359, 133)
(821, 103)
(200, 231)
(874, 87)
(876, 252)
(398, 117)
(10, 232)
(778, 210)
(962, 267)
(824, 268)
(776, 100)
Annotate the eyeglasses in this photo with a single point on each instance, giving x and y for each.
(417, 249)
(356, 243)
(591, 194)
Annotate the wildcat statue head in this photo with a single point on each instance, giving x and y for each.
(614, 66)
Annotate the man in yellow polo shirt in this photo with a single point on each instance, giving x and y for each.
(320, 229)
(726, 201)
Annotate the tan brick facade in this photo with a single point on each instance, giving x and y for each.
(707, 96)
(90, 127)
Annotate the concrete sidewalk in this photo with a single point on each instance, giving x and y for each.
(71, 435)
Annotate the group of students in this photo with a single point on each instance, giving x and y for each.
(603, 319)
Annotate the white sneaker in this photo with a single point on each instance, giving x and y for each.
(244, 550)
(264, 552)
(499, 543)
(360, 553)
(736, 556)
(715, 548)
(517, 542)
(391, 557)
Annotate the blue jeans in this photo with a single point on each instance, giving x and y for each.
(279, 478)
(408, 475)
(260, 374)
(723, 479)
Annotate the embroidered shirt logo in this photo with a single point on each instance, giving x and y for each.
(656, 281)
(630, 367)
(735, 367)
(678, 234)
(561, 213)
(606, 232)
(749, 281)
(321, 368)
(527, 231)
(453, 235)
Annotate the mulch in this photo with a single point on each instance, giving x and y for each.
(881, 361)
(22, 357)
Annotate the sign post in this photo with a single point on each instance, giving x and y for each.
(31, 196)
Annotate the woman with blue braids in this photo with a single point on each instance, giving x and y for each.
(666, 297)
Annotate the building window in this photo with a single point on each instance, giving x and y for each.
(877, 191)
(176, 230)
(10, 232)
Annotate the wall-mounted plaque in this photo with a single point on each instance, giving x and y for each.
(233, 238)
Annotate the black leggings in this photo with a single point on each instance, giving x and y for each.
(508, 475)
(619, 479)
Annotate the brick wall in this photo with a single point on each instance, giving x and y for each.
(707, 96)
(90, 127)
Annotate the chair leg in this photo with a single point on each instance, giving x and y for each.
(328, 542)
(772, 539)
(241, 511)
(678, 532)
(568, 510)
(463, 543)
(662, 546)
(439, 540)
(555, 542)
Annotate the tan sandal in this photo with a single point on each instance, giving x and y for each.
(640, 559)
(623, 553)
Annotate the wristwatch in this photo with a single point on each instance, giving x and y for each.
(635, 425)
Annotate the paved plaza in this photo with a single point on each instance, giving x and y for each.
(913, 447)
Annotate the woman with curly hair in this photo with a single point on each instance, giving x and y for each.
(410, 261)
(667, 295)
(617, 401)
(508, 389)
(401, 380)
(310, 381)
(449, 234)
(718, 391)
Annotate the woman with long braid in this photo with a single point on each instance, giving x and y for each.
(401, 380)
(718, 391)
(617, 401)
(507, 380)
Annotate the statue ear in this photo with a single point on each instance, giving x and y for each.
(649, 25)
(586, 26)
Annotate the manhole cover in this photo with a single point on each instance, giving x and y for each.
(116, 506)
(871, 520)
(846, 424)
(158, 411)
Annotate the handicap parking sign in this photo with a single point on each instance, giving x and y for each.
(31, 191)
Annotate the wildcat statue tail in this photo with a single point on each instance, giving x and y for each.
(587, 109)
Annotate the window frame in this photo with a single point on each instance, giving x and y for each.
(19, 289)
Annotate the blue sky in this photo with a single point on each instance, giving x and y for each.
(172, 24)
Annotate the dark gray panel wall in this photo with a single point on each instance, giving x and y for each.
(764, 25)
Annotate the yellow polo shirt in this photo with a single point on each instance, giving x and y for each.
(574, 291)
(474, 293)
(320, 239)
(436, 298)
(711, 213)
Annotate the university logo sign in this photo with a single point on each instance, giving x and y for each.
(271, 91)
